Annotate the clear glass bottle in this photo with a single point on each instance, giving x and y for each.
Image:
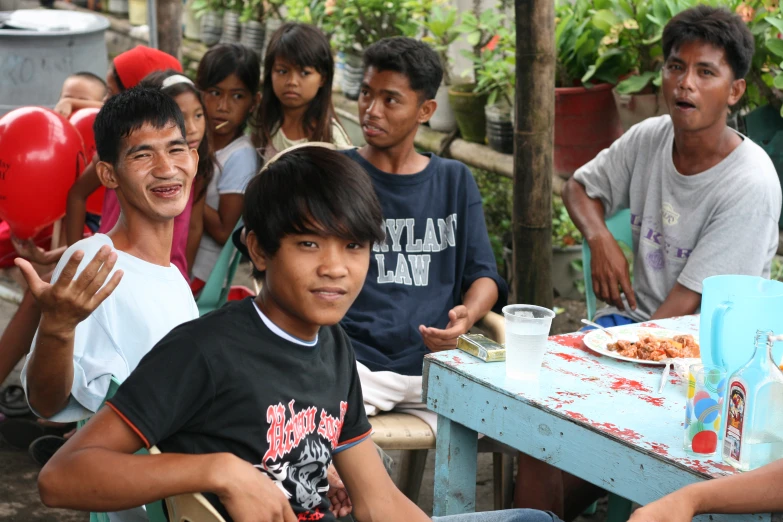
(753, 434)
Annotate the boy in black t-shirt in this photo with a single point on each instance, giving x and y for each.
(249, 403)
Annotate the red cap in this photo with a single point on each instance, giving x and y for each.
(132, 66)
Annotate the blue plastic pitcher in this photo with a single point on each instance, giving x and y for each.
(733, 307)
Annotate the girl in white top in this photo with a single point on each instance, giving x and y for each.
(228, 75)
(296, 106)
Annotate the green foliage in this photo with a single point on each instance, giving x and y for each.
(564, 232)
(577, 40)
(496, 71)
(306, 11)
(776, 271)
(496, 192)
(357, 24)
(252, 10)
(478, 29)
(633, 39)
(438, 19)
(202, 6)
(765, 22)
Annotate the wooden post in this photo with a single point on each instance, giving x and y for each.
(170, 26)
(533, 148)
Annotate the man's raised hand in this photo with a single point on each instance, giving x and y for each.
(69, 301)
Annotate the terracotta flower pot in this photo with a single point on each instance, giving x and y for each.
(586, 122)
(468, 109)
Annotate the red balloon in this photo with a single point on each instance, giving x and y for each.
(41, 155)
(83, 121)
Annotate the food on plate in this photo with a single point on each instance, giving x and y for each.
(652, 348)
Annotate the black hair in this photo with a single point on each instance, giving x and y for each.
(716, 26)
(415, 59)
(126, 112)
(222, 61)
(90, 76)
(301, 45)
(312, 189)
(206, 157)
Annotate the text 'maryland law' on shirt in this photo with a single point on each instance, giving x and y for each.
(437, 245)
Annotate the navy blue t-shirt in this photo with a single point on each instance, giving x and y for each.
(436, 247)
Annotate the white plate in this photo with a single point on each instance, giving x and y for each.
(597, 340)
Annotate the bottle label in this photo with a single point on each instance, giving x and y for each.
(732, 442)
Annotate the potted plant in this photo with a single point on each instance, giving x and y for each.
(356, 24)
(497, 77)
(586, 119)
(253, 28)
(634, 29)
(210, 14)
(439, 21)
(566, 252)
(761, 104)
(190, 24)
(231, 25)
(479, 28)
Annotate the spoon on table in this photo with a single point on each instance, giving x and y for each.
(669, 360)
(596, 325)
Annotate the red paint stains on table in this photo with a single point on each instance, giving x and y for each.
(571, 341)
(624, 434)
(649, 325)
(572, 394)
(577, 416)
(621, 383)
(660, 449)
(571, 358)
(561, 401)
(655, 401)
(723, 467)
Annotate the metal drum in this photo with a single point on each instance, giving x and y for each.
(40, 48)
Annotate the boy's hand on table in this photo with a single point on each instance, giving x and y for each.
(610, 272)
(338, 495)
(438, 340)
(249, 494)
(68, 302)
(676, 507)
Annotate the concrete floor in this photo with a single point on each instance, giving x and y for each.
(19, 499)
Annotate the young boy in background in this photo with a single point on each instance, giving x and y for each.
(81, 89)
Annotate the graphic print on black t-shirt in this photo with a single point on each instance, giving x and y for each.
(300, 451)
(239, 388)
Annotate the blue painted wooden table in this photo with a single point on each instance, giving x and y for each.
(590, 415)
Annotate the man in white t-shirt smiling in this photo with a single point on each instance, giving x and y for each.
(704, 200)
(91, 331)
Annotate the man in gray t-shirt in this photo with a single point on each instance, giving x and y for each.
(722, 219)
(704, 200)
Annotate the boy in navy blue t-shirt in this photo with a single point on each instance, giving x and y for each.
(435, 275)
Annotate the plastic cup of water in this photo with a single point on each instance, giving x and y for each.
(527, 329)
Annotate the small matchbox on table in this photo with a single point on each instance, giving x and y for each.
(482, 347)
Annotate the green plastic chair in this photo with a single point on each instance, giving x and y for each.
(620, 227)
(619, 508)
(215, 291)
(155, 511)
